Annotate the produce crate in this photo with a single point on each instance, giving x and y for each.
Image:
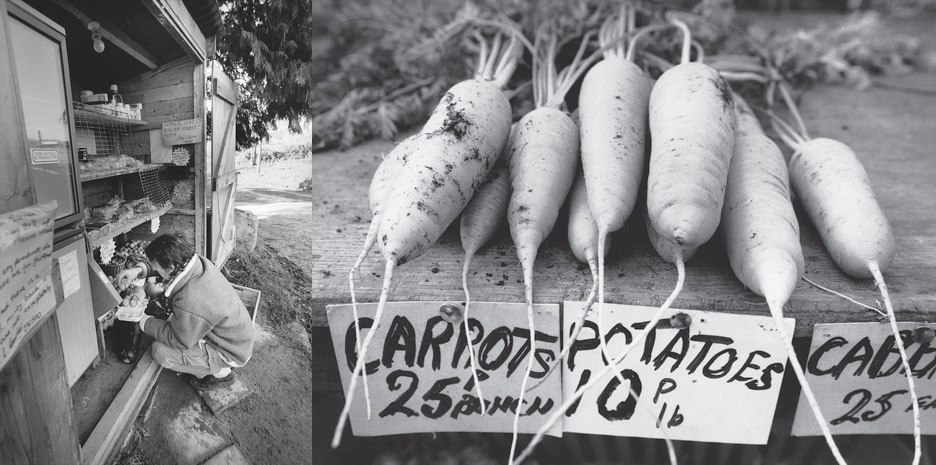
(250, 298)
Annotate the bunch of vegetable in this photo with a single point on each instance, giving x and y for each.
(544, 155)
(440, 169)
(135, 249)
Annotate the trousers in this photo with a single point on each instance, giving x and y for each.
(199, 361)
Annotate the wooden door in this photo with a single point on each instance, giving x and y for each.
(223, 172)
(37, 423)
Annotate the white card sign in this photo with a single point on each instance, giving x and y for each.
(418, 373)
(187, 131)
(68, 273)
(715, 381)
(181, 156)
(855, 372)
(26, 294)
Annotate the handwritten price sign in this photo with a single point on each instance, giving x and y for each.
(716, 380)
(855, 372)
(418, 367)
(182, 132)
(26, 294)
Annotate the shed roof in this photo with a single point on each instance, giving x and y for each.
(135, 22)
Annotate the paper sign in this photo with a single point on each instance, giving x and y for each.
(182, 132)
(715, 381)
(180, 156)
(26, 294)
(40, 157)
(418, 372)
(855, 372)
(68, 270)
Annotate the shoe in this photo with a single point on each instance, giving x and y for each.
(211, 382)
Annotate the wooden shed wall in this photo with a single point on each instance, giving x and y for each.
(167, 93)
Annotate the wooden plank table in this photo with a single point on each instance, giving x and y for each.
(892, 127)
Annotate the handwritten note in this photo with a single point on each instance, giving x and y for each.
(187, 131)
(854, 371)
(68, 270)
(181, 156)
(418, 372)
(716, 380)
(26, 294)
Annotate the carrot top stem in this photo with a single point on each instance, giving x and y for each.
(497, 60)
(743, 76)
(507, 62)
(787, 96)
(483, 53)
(786, 132)
(700, 51)
(640, 34)
(687, 40)
(556, 95)
(898, 341)
(612, 32)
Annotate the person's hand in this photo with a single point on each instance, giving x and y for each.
(153, 290)
(127, 276)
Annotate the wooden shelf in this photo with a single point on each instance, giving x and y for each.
(117, 229)
(101, 174)
(105, 118)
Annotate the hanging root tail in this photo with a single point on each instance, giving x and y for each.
(898, 341)
(528, 279)
(776, 310)
(557, 415)
(362, 353)
(602, 339)
(369, 242)
(471, 353)
(357, 331)
(839, 294)
(589, 303)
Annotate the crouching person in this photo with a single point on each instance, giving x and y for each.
(209, 332)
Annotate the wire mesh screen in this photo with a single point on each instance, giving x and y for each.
(154, 187)
(101, 131)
